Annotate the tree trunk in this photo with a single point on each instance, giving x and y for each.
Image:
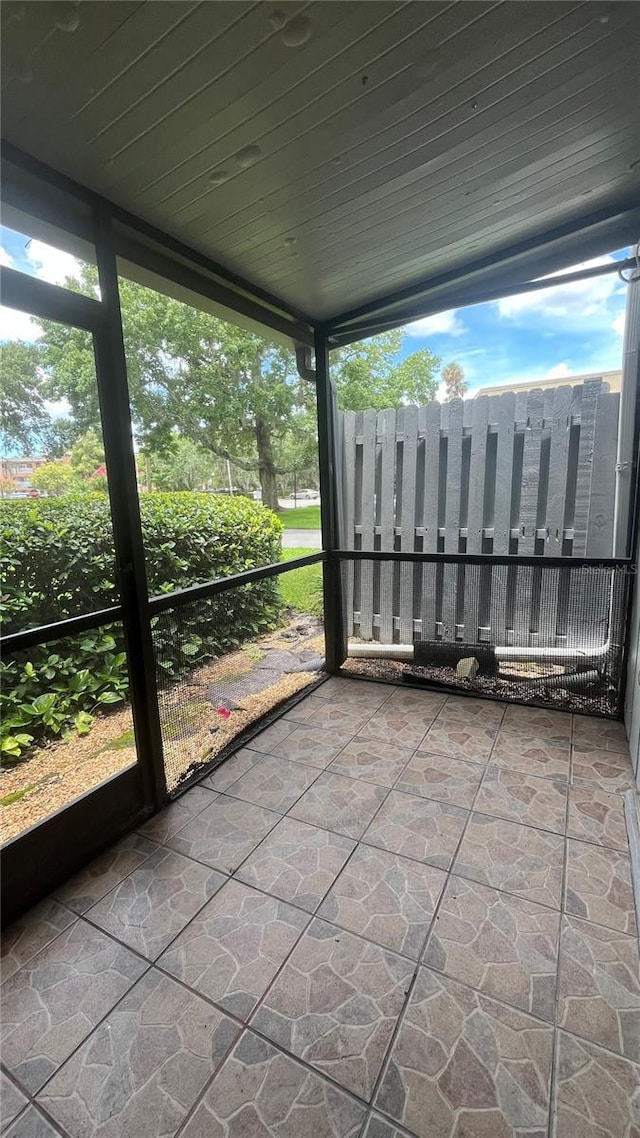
(266, 466)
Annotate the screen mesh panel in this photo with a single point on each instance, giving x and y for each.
(533, 633)
(225, 662)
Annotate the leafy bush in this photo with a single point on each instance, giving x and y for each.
(57, 560)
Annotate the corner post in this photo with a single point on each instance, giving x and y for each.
(113, 393)
(334, 631)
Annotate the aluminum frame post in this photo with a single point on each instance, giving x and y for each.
(334, 630)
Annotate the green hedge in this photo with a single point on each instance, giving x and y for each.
(57, 560)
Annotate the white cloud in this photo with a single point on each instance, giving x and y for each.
(5, 258)
(16, 325)
(49, 264)
(618, 324)
(593, 300)
(559, 371)
(440, 324)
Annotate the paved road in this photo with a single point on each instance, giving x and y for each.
(302, 539)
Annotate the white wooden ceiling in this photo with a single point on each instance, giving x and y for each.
(333, 151)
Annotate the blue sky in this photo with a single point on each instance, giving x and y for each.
(559, 331)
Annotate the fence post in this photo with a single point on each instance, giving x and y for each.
(334, 628)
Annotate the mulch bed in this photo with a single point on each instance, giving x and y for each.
(193, 713)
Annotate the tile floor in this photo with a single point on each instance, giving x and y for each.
(390, 915)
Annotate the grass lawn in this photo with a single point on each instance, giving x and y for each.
(304, 517)
(301, 589)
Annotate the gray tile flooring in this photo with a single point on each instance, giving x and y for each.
(390, 915)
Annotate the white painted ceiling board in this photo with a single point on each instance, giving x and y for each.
(398, 140)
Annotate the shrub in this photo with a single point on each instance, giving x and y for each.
(57, 560)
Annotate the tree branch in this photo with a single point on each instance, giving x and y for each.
(242, 463)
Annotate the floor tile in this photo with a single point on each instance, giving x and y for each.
(274, 783)
(232, 950)
(544, 755)
(225, 833)
(503, 945)
(404, 726)
(488, 712)
(596, 1093)
(231, 769)
(344, 805)
(599, 986)
(32, 932)
(313, 746)
(316, 712)
(516, 858)
(12, 1101)
(611, 771)
(336, 1003)
(538, 721)
(418, 827)
(441, 777)
(606, 734)
(105, 872)
(151, 906)
(599, 886)
(142, 1070)
(415, 699)
(386, 898)
(170, 820)
(32, 1124)
(259, 1091)
(271, 737)
(465, 1065)
(539, 802)
(297, 862)
(460, 739)
(372, 760)
(379, 1127)
(364, 692)
(597, 817)
(55, 1000)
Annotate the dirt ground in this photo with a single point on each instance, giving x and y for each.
(200, 716)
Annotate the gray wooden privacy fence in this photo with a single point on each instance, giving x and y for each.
(531, 473)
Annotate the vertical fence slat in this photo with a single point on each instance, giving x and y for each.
(524, 576)
(505, 411)
(408, 422)
(475, 513)
(588, 412)
(431, 477)
(387, 431)
(575, 606)
(367, 520)
(603, 477)
(348, 513)
(530, 474)
(452, 414)
(558, 467)
(556, 507)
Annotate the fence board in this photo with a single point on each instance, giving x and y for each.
(367, 520)
(349, 484)
(504, 408)
(603, 478)
(387, 430)
(431, 477)
(452, 416)
(409, 430)
(475, 513)
(588, 413)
